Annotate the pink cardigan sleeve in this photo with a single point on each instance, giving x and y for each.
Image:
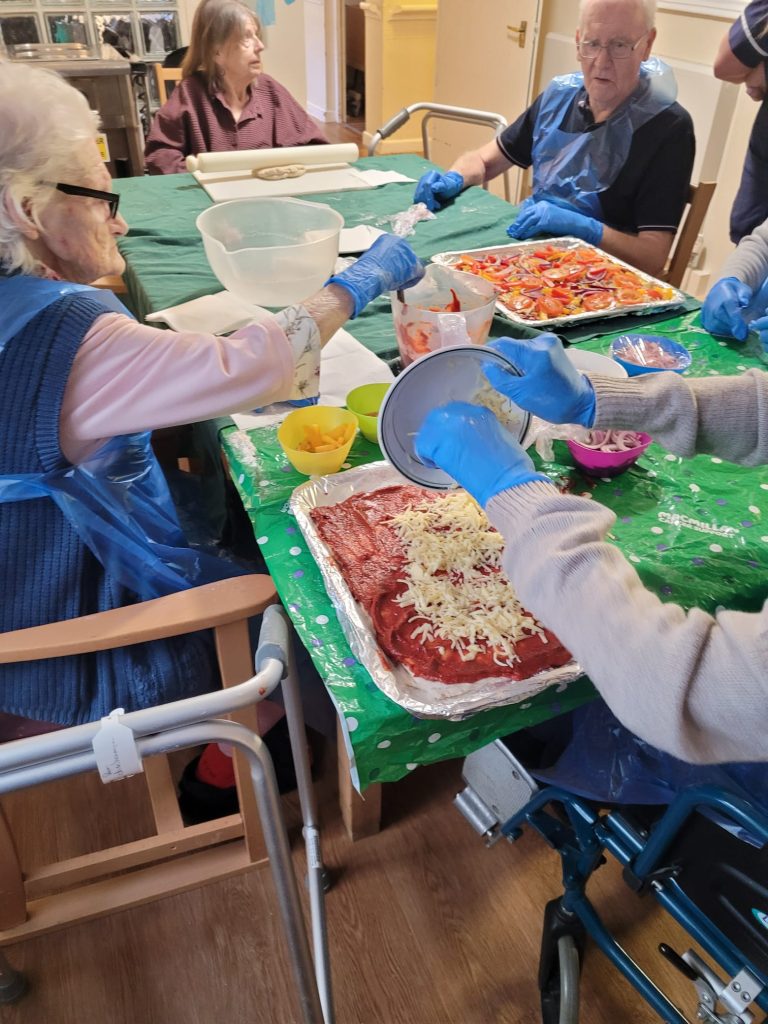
(129, 377)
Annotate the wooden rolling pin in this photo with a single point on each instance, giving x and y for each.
(256, 159)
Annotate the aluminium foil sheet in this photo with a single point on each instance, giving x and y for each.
(421, 697)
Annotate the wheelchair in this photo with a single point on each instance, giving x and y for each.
(721, 899)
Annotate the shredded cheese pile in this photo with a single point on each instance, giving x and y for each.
(505, 411)
(453, 582)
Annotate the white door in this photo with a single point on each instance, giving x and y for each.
(485, 59)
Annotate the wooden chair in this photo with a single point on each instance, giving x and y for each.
(699, 199)
(162, 77)
(177, 857)
(112, 282)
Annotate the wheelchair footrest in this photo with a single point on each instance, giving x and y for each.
(497, 787)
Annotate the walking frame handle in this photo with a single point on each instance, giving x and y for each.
(467, 115)
(440, 112)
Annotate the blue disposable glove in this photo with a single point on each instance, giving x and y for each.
(761, 326)
(388, 265)
(721, 312)
(435, 188)
(544, 218)
(550, 387)
(469, 443)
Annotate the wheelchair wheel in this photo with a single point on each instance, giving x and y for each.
(560, 997)
(562, 946)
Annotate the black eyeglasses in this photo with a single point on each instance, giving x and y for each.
(112, 198)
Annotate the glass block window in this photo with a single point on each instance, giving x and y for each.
(148, 28)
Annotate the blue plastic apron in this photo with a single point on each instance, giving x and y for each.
(571, 169)
(117, 499)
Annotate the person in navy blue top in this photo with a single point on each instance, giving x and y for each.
(742, 58)
(611, 149)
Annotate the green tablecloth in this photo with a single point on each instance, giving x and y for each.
(694, 528)
(166, 263)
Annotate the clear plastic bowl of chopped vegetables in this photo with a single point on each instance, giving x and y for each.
(607, 452)
(446, 308)
(650, 353)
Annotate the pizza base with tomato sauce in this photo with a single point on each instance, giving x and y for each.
(362, 535)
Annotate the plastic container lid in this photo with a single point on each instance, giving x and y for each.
(446, 375)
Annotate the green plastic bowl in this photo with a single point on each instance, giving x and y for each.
(365, 403)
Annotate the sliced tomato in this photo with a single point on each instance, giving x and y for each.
(586, 255)
(563, 294)
(549, 308)
(630, 296)
(624, 280)
(415, 341)
(597, 300)
(557, 273)
(520, 303)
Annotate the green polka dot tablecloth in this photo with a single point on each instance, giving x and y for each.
(696, 531)
(385, 742)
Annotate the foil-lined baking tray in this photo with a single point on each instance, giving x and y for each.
(421, 697)
(654, 306)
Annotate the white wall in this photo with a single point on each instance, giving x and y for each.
(685, 36)
(284, 56)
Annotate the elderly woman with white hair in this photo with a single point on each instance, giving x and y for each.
(86, 522)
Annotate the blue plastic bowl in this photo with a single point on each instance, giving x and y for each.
(637, 351)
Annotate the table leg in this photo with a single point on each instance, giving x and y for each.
(362, 815)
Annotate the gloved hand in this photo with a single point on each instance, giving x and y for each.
(544, 218)
(761, 326)
(469, 443)
(389, 264)
(551, 387)
(435, 188)
(721, 312)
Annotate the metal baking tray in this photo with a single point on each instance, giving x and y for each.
(421, 697)
(450, 258)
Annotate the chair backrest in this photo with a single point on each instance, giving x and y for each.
(699, 199)
(112, 282)
(175, 58)
(162, 77)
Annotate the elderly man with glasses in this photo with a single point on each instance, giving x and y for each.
(611, 150)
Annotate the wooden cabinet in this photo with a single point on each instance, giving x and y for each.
(106, 84)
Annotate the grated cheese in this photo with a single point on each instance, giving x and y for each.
(454, 581)
(503, 408)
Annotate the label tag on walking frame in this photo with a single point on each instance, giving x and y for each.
(117, 756)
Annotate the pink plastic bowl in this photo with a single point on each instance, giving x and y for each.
(595, 463)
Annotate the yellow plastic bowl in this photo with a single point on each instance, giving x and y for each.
(365, 403)
(290, 434)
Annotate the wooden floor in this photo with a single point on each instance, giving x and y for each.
(426, 927)
(344, 133)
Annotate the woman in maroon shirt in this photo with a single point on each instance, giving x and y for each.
(224, 100)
